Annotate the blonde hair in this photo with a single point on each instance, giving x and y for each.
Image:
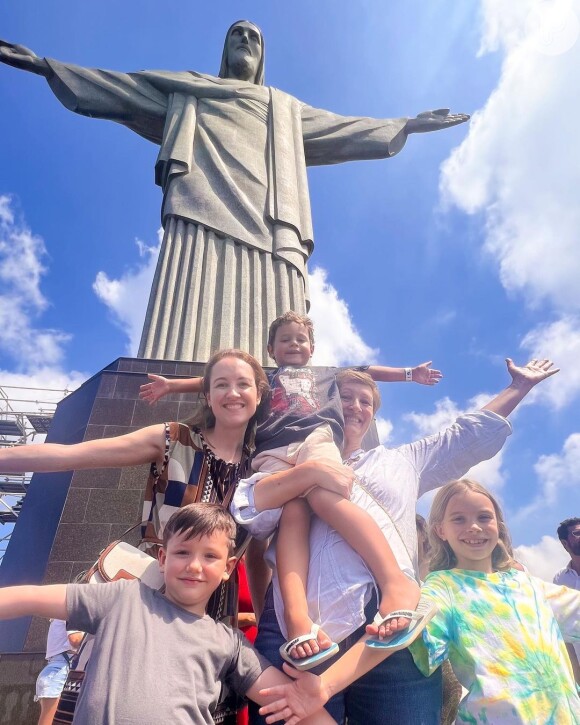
(358, 376)
(442, 556)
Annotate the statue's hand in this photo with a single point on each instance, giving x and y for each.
(434, 121)
(20, 57)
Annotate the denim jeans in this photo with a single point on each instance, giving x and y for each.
(392, 693)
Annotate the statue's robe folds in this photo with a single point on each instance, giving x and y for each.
(236, 210)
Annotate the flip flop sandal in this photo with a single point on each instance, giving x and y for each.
(424, 612)
(306, 663)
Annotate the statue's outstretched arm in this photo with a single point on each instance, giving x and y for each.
(434, 121)
(20, 57)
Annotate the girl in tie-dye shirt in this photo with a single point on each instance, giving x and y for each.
(500, 628)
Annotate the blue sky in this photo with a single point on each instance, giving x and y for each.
(462, 249)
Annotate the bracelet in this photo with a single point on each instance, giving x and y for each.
(408, 375)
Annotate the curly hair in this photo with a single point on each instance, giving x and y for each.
(442, 556)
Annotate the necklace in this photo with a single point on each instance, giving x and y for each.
(215, 451)
(353, 458)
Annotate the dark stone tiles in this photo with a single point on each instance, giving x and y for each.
(17, 668)
(133, 538)
(188, 408)
(168, 367)
(146, 414)
(93, 432)
(75, 506)
(127, 387)
(113, 507)
(112, 412)
(80, 542)
(107, 385)
(97, 478)
(134, 477)
(81, 567)
(117, 430)
(58, 572)
(36, 637)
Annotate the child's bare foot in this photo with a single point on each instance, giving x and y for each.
(318, 641)
(401, 594)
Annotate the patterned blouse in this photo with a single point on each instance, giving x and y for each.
(191, 473)
(502, 633)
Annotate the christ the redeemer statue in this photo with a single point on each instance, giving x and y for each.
(232, 166)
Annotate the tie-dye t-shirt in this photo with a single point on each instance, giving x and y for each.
(500, 632)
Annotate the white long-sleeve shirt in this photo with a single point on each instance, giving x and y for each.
(390, 480)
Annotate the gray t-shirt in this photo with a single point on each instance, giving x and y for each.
(154, 662)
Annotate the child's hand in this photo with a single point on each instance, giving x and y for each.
(156, 389)
(332, 476)
(424, 375)
(296, 700)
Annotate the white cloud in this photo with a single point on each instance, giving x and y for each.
(519, 168)
(384, 429)
(22, 302)
(337, 340)
(558, 474)
(517, 164)
(560, 341)
(543, 559)
(127, 297)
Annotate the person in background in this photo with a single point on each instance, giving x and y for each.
(61, 644)
(569, 535)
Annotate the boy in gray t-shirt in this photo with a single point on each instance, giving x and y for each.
(158, 657)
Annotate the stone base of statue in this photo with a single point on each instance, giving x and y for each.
(68, 518)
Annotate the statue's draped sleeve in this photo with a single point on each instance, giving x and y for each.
(333, 139)
(127, 98)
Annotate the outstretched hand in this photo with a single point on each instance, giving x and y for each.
(424, 375)
(156, 389)
(296, 700)
(532, 373)
(21, 57)
(435, 121)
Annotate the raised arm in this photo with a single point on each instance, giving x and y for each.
(44, 601)
(20, 57)
(161, 386)
(142, 446)
(523, 380)
(422, 374)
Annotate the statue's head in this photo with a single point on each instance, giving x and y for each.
(243, 55)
